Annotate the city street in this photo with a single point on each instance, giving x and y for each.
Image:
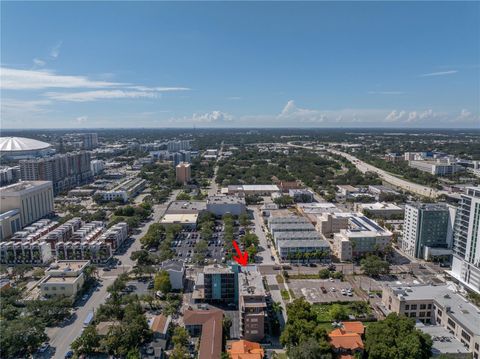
(264, 254)
(62, 337)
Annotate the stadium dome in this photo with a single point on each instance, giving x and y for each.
(21, 147)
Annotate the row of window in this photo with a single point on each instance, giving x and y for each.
(414, 306)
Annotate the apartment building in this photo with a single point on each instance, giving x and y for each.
(183, 172)
(89, 141)
(329, 223)
(363, 236)
(180, 145)
(34, 200)
(115, 235)
(439, 306)
(65, 171)
(220, 283)
(251, 304)
(97, 167)
(63, 279)
(35, 253)
(176, 273)
(466, 240)
(9, 175)
(426, 226)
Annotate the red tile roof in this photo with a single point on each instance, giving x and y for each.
(212, 331)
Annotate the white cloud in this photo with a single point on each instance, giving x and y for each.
(55, 51)
(214, 116)
(81, 119)
(39, 62)
(158, 89)
(234, 98)
(87, 96)
(14, 79)
(440, 73)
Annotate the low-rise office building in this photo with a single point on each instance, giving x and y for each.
(253, 189)
(220, 205)
(291, 227)
(329, 223)
(125, 190)
(380, 209)
(438, 167)
(301, 195)
(184, 213)
(63, 279)
(437, 305)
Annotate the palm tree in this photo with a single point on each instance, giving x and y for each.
(277, 307)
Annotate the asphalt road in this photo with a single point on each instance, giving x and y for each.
(62, 337)
(264, 254)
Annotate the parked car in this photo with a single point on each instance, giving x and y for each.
(69, 354)
(44, 348)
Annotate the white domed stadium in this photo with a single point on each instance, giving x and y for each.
(22, 148)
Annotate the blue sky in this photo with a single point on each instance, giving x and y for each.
(250, 64)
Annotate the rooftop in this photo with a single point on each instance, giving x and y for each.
(17, 144)
(225, 200)
(287, 219)
(160, 323)
(459, 307)
(317, 207)
(303, 243)
(250, 281)
(217, 269)
(291, 226)
(173, 265)
(184, 218)
(254, 187)
(429, 206)
(178, 207)
(211, 337)
(379, 206)
(297, 234)
(23, 186)
(243, 349)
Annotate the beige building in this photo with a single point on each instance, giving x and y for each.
(437, 306)
(9, 223)
(63, 278)
(183, 172)
(330, 223)
(251, 304)
(34, 200)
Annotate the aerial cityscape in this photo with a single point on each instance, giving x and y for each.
(240, 180)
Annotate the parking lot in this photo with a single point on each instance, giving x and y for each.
(323, 290)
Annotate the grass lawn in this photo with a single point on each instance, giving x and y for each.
(323, 310)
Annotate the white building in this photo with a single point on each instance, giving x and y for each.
(34, 200)
(97, 166)
(363, 236)
(125, 190)
(438, 167)
(466, 240)
(176, 273)
(63, 278)
(35, 253)
(220, 205)
(380, 209)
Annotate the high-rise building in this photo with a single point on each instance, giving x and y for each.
(97, 166)
(183, 172)
(34, 199)
(9, 175)
(466, 240)
(176, 146)
(426, 227)
(220, 284)
(64, 170)
(89, 141)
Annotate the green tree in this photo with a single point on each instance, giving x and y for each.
(396, 337)
(338, 312)
(324, 273)
(88, 342)
(373, 266)
(310, 349)
(21, 337)
(162, 282)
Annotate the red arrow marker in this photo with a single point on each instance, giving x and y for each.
(242, 258)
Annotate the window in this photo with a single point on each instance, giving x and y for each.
(439, 313)
(414, 307)
(429, 314)
(429, 306)
(407, 306)
(412, 315)
(423, 306)
(465, 335)
(422, 314)
(477, 346)
(451, 323)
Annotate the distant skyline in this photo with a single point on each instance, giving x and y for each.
(240, 64)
